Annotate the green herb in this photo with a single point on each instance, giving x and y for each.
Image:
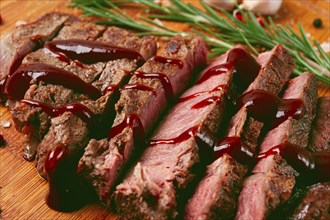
(221, 33)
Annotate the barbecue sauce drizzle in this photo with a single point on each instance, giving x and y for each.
(270, 109)
(77, 109)
(163, 79)
(191, 132)
(89, 52)
(139, 87)
(19, 82)
(165, 60)
(67, 191)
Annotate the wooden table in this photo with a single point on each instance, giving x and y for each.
(22, 191)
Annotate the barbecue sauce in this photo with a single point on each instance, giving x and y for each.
(91, 51)
(191, 132)
(305, 162)
(214, 71)
(2, 141)
(270, 109)
(165, 60)
(19, 82)
(206, 102)
(67, 192)
(217, 88)
(77, 109)
(131, 121)
(247, 68)
(139, 87)
(234, 147)
(163, 79)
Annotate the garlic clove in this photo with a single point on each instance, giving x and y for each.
(265, 7)
(227, 5)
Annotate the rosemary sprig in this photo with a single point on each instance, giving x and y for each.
(220, 32)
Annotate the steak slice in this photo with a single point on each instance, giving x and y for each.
(216, 194)
(150, 190)
(272, 179)
(315, 204)
(33, 122)
(104, 160)
(27, 38)
(116, 73)
(319, 137)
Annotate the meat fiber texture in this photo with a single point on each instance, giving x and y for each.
(104, 160)
(272, 179)
(33, 122)
(319, 137)
(315, 204)
(115, 72)
(150, 190)
(28, 37)
(216, 194)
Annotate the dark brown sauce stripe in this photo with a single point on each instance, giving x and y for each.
(218, 88)
(67, 192)
(165, 60)
(19, 82)
(206, 102)
(234, 147)
(131, 121)
(191, 132)
(92, 51)
(214, 71)
(139, 87)
(75, 108)
(270, 109)
(164, 80)
(247, 68)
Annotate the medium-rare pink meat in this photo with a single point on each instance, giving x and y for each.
(115, 74)
(150, 190)
(138, 110)
(216, 194)
(272, 179)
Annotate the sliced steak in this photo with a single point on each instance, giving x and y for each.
(150, 191)
(104, 160)
(27, 38)
(272, 179)
(319, 137)
(33, 122)
(315, 204)
(116, 73)
(216, 194)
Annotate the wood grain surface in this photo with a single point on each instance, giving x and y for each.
(22, 191)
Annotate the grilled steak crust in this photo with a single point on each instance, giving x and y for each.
(150, 191)
(216, 195)
(27, 38)
(103, 161)
(33, 121)
(319, 137)
(315, 204)
(116, 72)
(273, 179)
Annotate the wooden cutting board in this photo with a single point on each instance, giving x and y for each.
(22, 191)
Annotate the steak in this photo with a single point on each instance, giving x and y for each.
(104, 160)
(319, 137)
(272, 179)
(115, 73)
(315, 204)
(170, 163)
(33, 122)
(27, 38)
(216, 194)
